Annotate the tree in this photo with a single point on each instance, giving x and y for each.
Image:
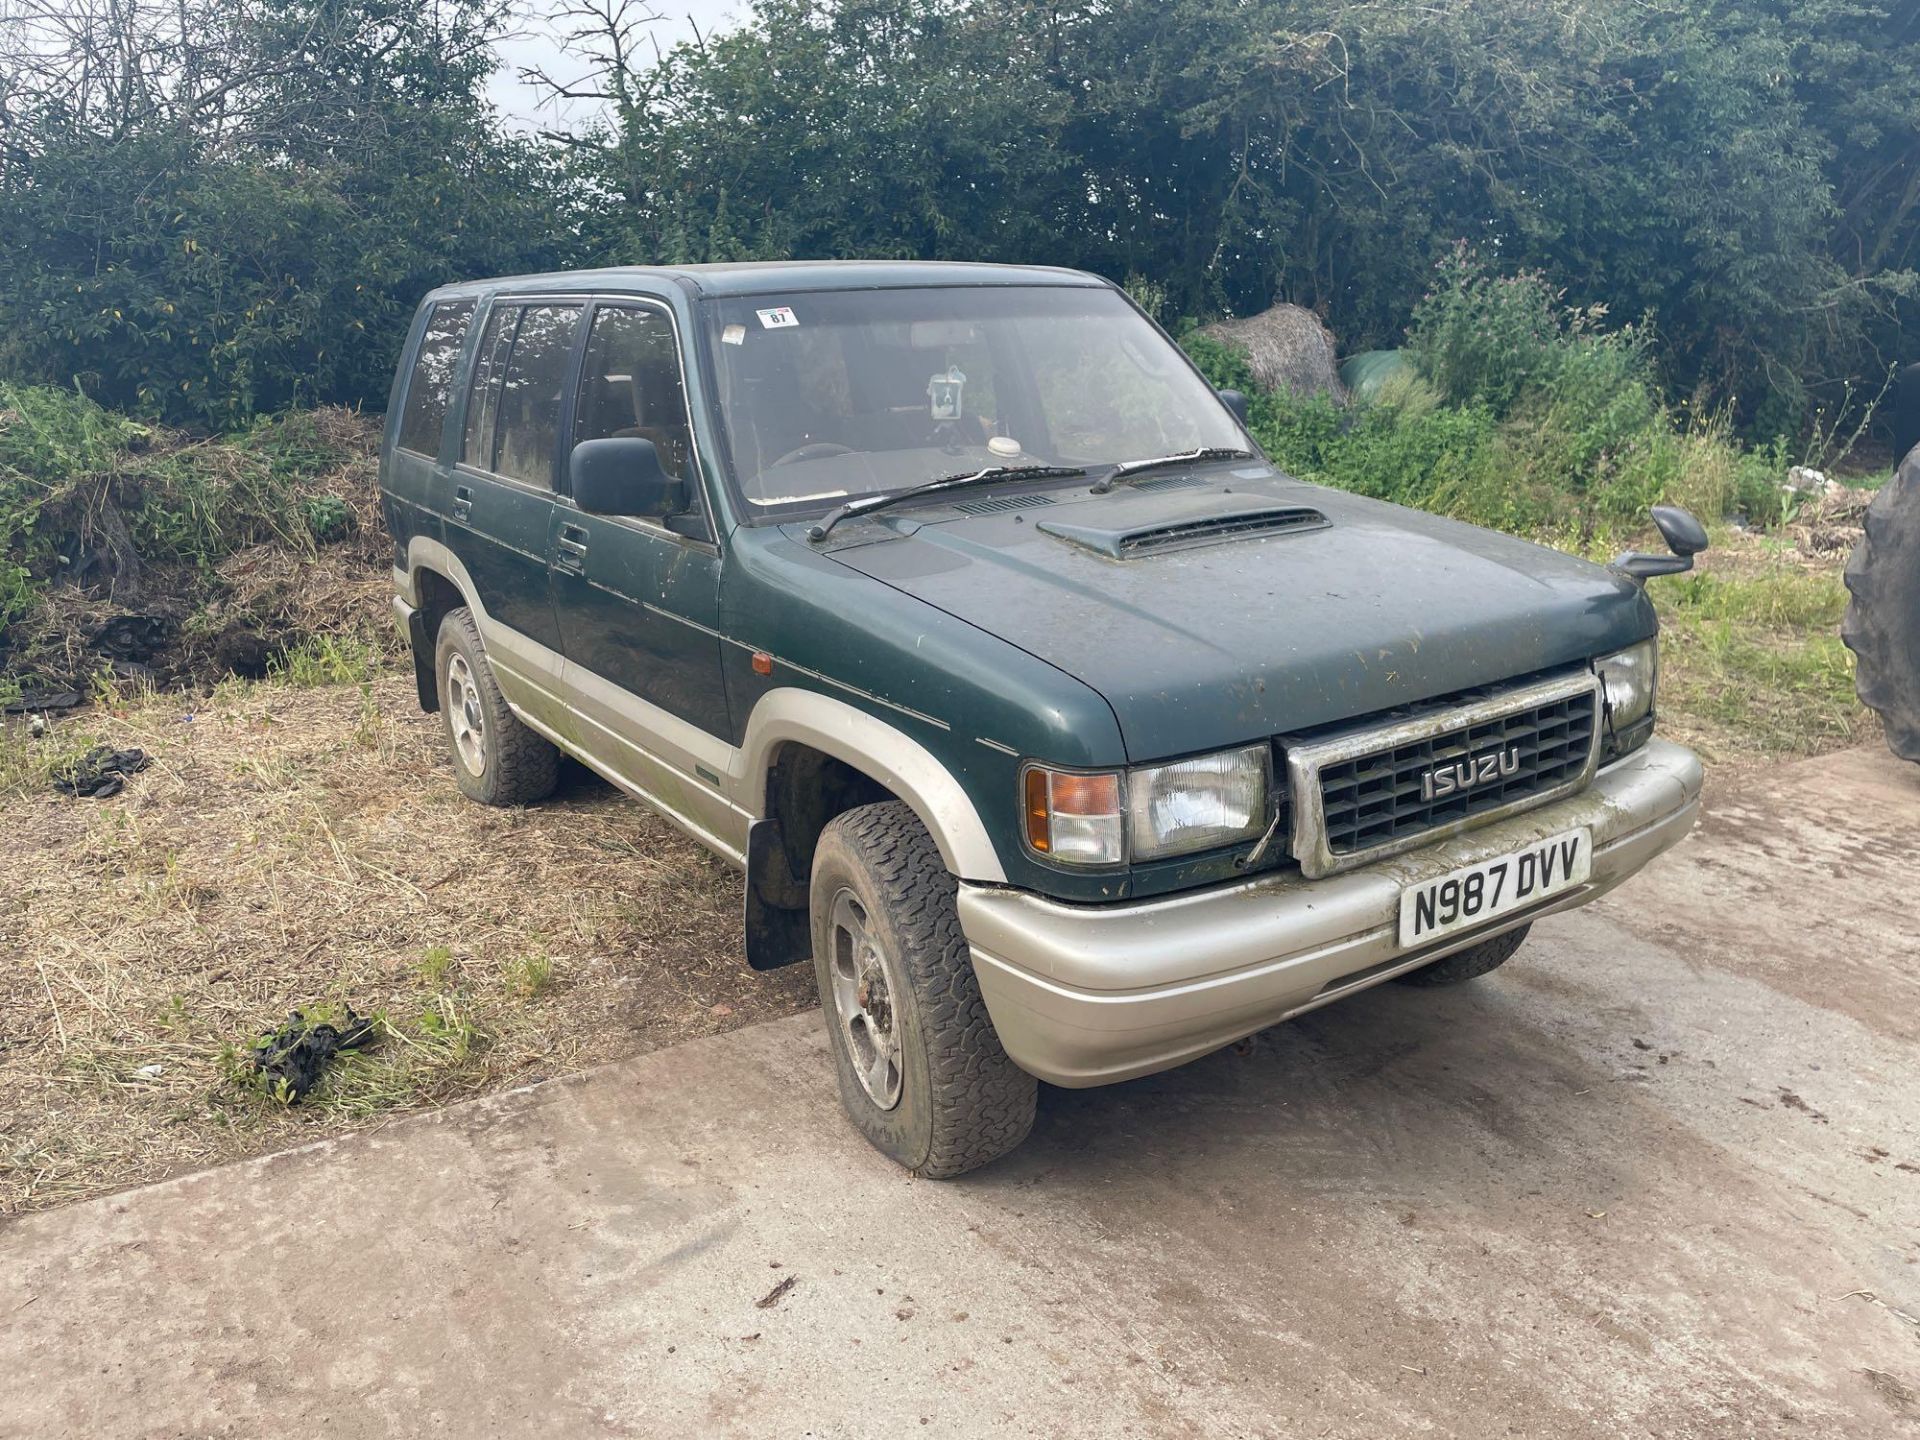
(205, 213)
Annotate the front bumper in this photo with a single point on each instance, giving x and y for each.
(1090, 994)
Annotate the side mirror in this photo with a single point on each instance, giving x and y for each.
(1235, 401)
(1686, 537)
(624, 476)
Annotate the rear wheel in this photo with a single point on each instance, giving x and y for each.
(922, 1073)
(1882, 624)
(1470, 963)
(496, 759)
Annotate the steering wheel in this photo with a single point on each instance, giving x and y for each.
(818, 450)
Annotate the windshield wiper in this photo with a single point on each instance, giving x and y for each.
(1186, 457)
(866, 504)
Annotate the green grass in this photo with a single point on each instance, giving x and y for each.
(29, 762)
(1756, 655)
(404, 1059)
(1778, 597)
(433, 965)
(75, 478)
(529, 976)
(328, 660)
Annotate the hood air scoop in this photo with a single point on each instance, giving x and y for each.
(1137, 541)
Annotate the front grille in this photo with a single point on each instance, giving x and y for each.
(1379, 798)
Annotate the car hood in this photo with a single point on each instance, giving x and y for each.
(1249, 605)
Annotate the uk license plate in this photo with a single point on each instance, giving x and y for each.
(1475, 894)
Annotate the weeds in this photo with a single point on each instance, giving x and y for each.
(1750, 650)
(1778, 596)
(433, 965)
(445, 1032)
(529, 976)
(93, 506)
(328, 660)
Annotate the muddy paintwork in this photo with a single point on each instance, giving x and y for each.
(1209, 647)
(984, 638)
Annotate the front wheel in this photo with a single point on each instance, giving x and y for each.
(1468, 964)
(922, 1073)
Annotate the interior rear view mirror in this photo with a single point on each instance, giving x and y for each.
(938, 334)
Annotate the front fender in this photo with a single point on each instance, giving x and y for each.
(876, 749)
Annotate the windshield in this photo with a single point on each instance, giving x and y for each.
(830, 395)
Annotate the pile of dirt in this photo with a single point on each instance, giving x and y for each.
(179, 561)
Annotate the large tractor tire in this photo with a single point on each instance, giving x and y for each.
(1882, 625)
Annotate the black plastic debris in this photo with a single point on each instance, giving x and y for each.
(101, 772)
(136, 638)
(31, 698)
(291, 1060)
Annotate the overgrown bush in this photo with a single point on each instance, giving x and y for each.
(135, 546)
(51, 442)
(1523, 413)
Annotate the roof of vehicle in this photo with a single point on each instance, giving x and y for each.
(782, 277)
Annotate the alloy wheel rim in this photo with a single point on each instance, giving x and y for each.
(464, 716)
(863, 983)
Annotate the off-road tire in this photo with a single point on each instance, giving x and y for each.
(1470, 963)
(518, 767)
(962, 1102)
(1882, 623)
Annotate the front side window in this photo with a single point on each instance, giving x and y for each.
(630, 385)
(513, 416)
(832, 394)
(430, 387)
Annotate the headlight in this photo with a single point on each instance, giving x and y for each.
(1110, 817)
(1198, 804)
(1626, 684)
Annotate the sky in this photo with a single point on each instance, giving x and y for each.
(537, 44)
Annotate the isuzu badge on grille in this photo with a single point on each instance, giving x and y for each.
(1467, 773)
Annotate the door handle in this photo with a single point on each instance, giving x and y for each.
(570, 550)
(462, 502)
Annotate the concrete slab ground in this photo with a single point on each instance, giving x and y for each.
(1658, 1177)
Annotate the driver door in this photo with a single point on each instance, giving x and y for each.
(637, 600)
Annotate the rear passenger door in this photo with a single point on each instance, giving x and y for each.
(638, 597)
(503, 486)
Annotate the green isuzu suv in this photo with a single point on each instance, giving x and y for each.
(1064, 735)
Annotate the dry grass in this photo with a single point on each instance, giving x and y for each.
(300, 847)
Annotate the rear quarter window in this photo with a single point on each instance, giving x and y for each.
(430, 386)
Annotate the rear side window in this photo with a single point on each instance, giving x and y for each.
(430, 387)
(483, 398)
(513, 417)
